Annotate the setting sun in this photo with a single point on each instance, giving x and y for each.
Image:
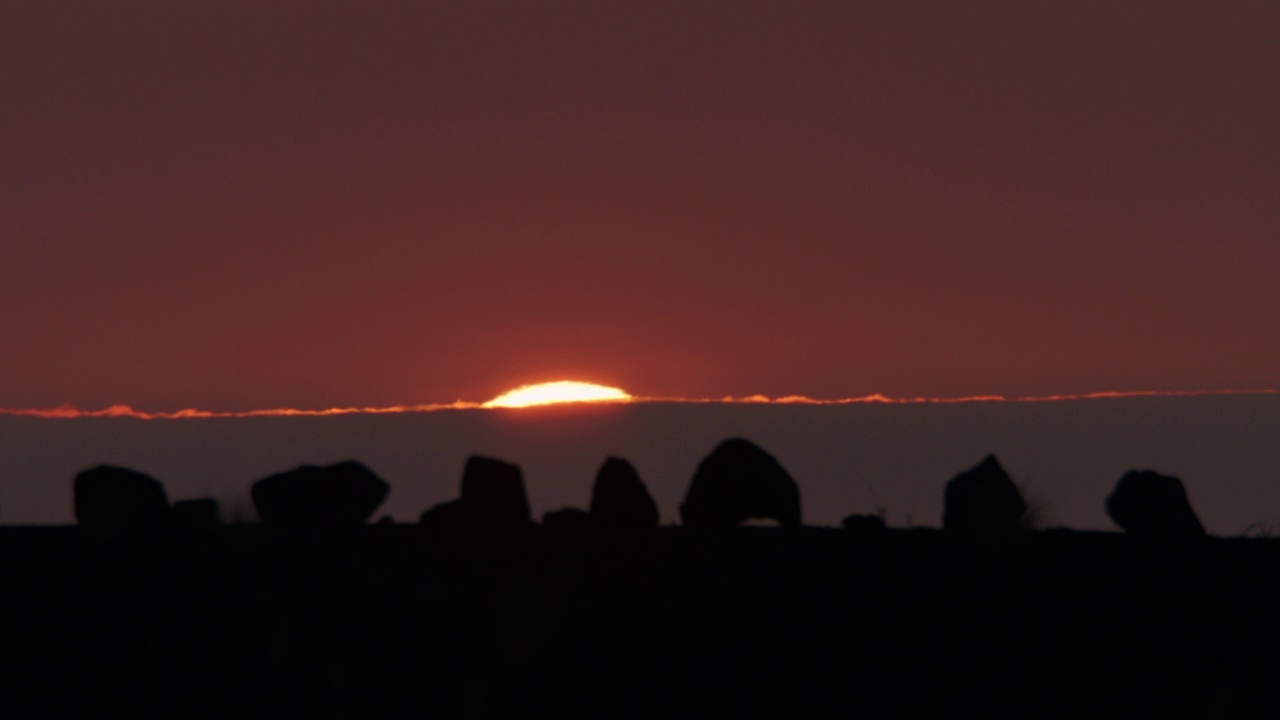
(550, 393)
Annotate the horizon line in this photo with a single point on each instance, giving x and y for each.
(71, 412)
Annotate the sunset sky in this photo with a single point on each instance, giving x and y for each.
(311, 204)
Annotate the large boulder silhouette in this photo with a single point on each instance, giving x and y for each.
(493, 498)
(983, 502)
(619, 499)
(739, 481)
(493, 494)
(1150, 505)
(311, 496)
(116, 498)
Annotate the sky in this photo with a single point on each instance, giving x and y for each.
(233, 206)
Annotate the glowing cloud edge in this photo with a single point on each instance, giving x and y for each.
(70, 412)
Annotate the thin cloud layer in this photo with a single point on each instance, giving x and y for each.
(69, 412)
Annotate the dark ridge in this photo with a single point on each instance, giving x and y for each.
(394, 621)
(388, 620)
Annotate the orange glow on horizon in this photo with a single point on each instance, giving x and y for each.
(606, 394)
(125, 411)
(554, 393)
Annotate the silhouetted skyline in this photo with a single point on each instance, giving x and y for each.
(1065, 456)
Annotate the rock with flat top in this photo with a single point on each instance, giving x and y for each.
(493, 499)
(116, 498)
(493, 494)
(311, 496)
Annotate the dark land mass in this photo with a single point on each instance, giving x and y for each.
(397, 621)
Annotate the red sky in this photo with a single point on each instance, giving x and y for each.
(310, 204)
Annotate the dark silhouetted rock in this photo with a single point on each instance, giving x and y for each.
(340, 495)
(567, 520)
(739, 481)
(201, 513)
(863, 524)
(116, 498)
(493, 498)
(984, 502)
(1149, 505)
(493, 494)
(619, 499)
(449, 515)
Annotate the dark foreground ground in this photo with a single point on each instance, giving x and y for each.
(390, 621)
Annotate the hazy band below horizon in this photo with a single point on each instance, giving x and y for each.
(70, 412)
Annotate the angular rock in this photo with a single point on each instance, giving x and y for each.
(340, 495)
(619, 499)
(740, 481)
(493, 495)
(984, 502)
(116, 498)
(1150, 505)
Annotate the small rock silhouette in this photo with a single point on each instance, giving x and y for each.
(619, 499)
(863, 524)
(450, 515)
(568, 520)
(493, 498)
(340, 495)
(739, 481)
(116, 498)
(1150, 505)
(197, 514)
(983, 502)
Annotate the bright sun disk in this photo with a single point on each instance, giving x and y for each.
(565, 391)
